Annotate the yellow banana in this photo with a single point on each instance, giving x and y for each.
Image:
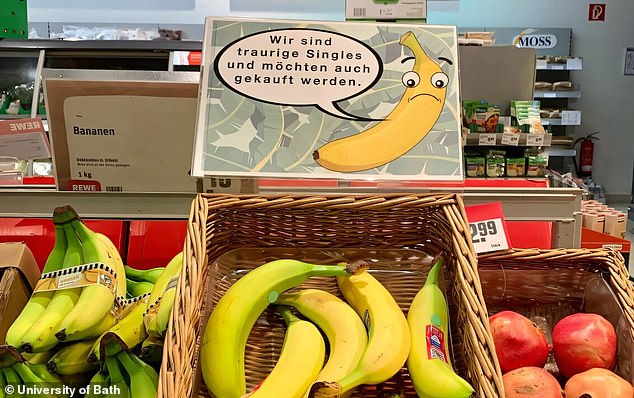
(36, 305)
(38, 358)
(164, 311)
(428, 362)
(138, 288)
(98, 298)
(300, 361)
(41, 371)
(72, 359)
(388, 341)
(342, 326)
(409, 122)
(41, 336)
(228, 327)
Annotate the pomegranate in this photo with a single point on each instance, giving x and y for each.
(583, 341)
(518, 341)
(531, 382)
(598, 383)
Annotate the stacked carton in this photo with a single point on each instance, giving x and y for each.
(602, 218)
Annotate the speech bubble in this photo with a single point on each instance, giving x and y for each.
(301, 67)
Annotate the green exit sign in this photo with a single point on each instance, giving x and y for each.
(13, 21)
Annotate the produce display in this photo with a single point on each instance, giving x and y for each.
(368, 338)
(93, 326)
(584, 347)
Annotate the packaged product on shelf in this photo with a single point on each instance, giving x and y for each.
(536, 163)
(614, 224)
(469, 108)
(487, 119)
(495, 163)
(594, 220)
(515, 167)
(527, 113)
(475, 166)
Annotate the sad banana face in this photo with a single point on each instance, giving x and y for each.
(409, 122)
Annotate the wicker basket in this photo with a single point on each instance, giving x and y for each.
(548, 285)
(426, 222)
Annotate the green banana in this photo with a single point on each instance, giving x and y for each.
(98, 298)
(126, 334)
(152, 350)
(72, 359)
(98, 382)
(38, 302)
(147, 275)
(428, 362)
(228, 327)
(12, 378)
(39, 357)
(41, 335)
(164, 311)
(41, 371)
(3, 384)
(26, 374)
(138, 288)
(143, 378)
(116, 377)
(166, 282)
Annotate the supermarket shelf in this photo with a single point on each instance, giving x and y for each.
(571, 64)
(473, 139)
(557, 94)
(554, 152)
(122, 205)
(558, 122)
(51, 44)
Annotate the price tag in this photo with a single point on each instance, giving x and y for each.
(570, 118)
(486, 139)
(558, 66)
(510, 139)
(574, 63)
(548, 94)
(534, 139)
(541, 64)
(487, 227)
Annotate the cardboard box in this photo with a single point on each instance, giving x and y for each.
(18, 275)
(386, 9)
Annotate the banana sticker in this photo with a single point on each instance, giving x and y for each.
(409, 122)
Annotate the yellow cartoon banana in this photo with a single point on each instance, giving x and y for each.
(409, 122)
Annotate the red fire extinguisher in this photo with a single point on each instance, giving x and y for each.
(586, 152)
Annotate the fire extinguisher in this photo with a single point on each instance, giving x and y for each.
(586, 152)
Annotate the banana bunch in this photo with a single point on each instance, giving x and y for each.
(124, 376)
(369, 337)
(228, 327)
(75, 312)
(17, 373)
(161, 298)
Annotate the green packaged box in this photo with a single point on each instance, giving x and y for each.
(475, 166)
(536, 166)
(495, 164)
(515, 167)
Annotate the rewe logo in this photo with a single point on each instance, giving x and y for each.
(535, 41)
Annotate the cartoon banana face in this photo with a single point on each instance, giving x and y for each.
(409, 122)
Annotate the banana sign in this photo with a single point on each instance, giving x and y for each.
(338, 100)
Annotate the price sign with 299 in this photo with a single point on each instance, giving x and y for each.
(488, 235)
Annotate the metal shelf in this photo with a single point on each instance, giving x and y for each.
(473, 139)
(108, 205)
(555, 152)
(51, 44)
(557, 94)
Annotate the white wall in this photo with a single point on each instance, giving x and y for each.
(607, 101)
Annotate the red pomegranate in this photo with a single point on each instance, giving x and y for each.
(530, 382)
(518, 341)
(583, 341)
(598, 383)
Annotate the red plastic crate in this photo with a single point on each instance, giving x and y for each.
(153, 243)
